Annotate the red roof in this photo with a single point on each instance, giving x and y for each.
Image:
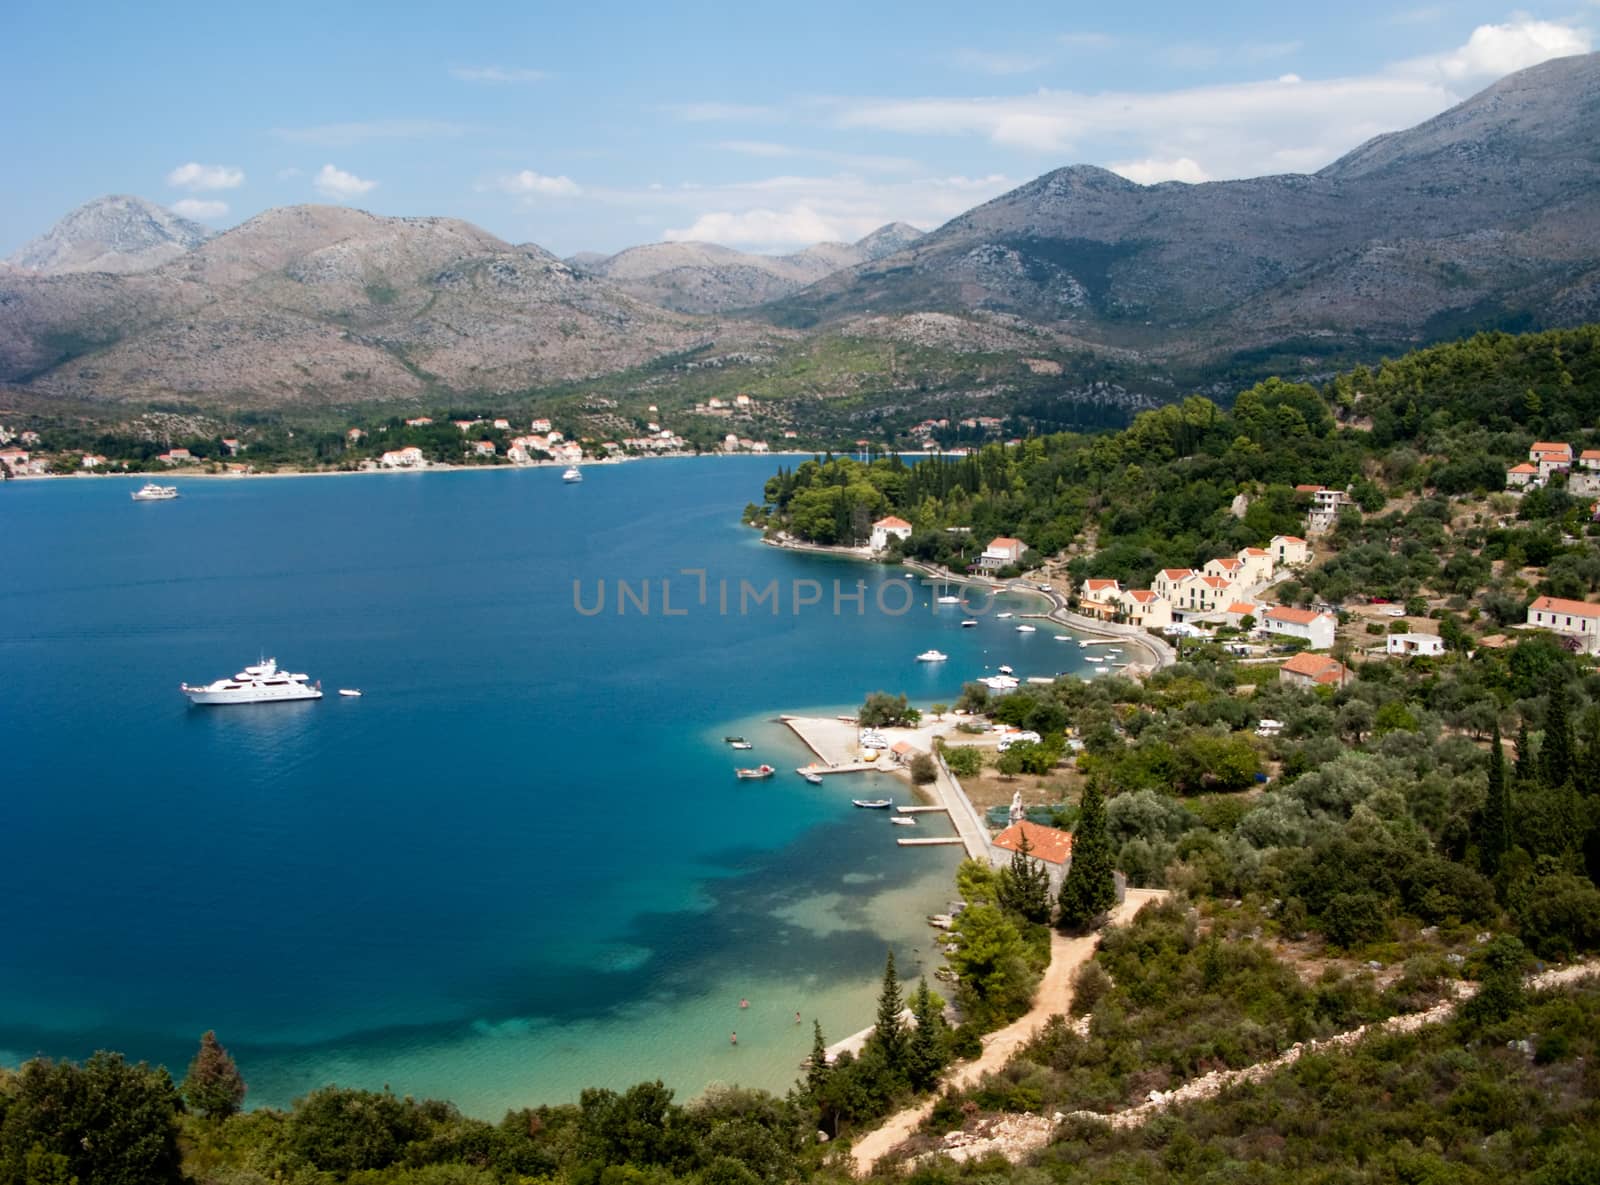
(1317, 667)
(1214, 582)
(1241, 608)
(1003, 541)
(1523, 468)
(1049, 844)
(1177, 573)
(1590, 454)
(1551, 446)
(1569, 608)
(1143, 595)
(892, 521)
(1256, 551)
(1297, 616)
(1099, 583)
(1289, 538)
(1225, 562)
(1303, 489)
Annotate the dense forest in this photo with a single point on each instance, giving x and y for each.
(1426, 833)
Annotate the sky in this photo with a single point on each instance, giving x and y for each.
(595, 126)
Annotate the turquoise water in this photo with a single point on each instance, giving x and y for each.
(520, 864)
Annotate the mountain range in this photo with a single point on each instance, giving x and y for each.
(1484, 216)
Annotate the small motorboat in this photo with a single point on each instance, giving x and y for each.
(1005, 669)
(1083, 645)
(969, 623)
(899, 822)
(1094, 658)
(352, 692)
(1063, 637)
(1001, 616)
(1026, 629)
(732, 740)
(741, 745)
(811, 776)
(760, 771)
(873, 804)
(948, 600)
(932, 656)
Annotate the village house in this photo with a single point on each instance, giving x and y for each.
(1143, 608)
(741, 401)
(1002, 552)
(1255, 565)
(1167, 580)
(889, 528)
(503, 425)
(1225, 567)
(1412, 645)
(1314, 670)
(1325, 507)
(1289, 550)
(790, 434)
(231, 443)
(92, 461)
(1315, 628)
(483, 448)
(1589, 459)
(1578, 620)
(177, 456)
(1200, 595)
(1234, 613)
(14, 457)
(1100, 598)
(730, 443)
(466, 425)
(1051, 846)
(517, 455)
(405, 458)
(1521, 476)
(419, 422)
(1550, 456)
(354, 436)
(539, 426)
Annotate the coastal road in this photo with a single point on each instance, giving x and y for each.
(1053, 998)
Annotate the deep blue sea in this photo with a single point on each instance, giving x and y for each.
(520, 863)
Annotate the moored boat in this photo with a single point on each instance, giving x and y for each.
(932, 656)
(352, 692)
(903, 822)
(811, 776)
(259, 684)
(948, 600)
(1001, 616)
(760, 771)
(969, 623)
(1026, 629)
(740, 745)
(873, 804)
(574, 474)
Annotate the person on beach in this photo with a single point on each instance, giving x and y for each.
(733, 1038)
(744, 1003)
(796, 1018)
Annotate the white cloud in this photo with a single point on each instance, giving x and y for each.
(340, 185)
(788, 211)
(197, 176)
(199, 208)
(987, 62)
(720, 112)
(1150, 172)
(342, 135)
(1495, 50)
(1095, 41)
(527, 183)
(496, 74)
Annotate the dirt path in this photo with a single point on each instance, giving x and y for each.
(1053, 998)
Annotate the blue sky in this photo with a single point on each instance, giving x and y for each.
(595, 126)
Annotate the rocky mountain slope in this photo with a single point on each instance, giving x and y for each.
(707, 278)
(326, 304)
(118, 234)
(1484, 215)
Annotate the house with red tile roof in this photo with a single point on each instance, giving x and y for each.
(1578, 620)
(1002, 552)
(1521, 476)
(1167, 580)
(1550, 456)
(1305, 624)
(1314, 670)
(1255, 565)
(888, 528)
(1145, 608)
(1051, 846)
(1289, 549)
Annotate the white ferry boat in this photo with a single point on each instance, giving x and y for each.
(572, 474)
(150, 492)
(262, 683)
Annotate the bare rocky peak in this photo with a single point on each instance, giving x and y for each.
(118, 234)
(887, 239)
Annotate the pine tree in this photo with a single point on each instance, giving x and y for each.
(1556, 751)
(817, 1069)
(1090, 888)
(213, 1085)
(1024, 885)
(889, 1033)
(1588, 771)
(1494, 832)
(925, 1054)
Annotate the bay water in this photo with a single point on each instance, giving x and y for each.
(520, 863)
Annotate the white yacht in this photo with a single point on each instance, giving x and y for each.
(1026, 629)
(932, 656)
(572, 474)
(262, 683)
(150, 492)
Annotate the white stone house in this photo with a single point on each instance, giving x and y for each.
(1227, 568)
(1051, 846)
(1522, 476)
(1550, 456)
(405, 458)
(1002, 552)
(1287, 622)
(1144, 608)
(1100, 597)
(1571, 619)
(1289, 550)
(1426, 645)
(889, 528)
(1255, 565)
(1167, 580)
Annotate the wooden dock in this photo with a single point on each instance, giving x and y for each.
(917, 810)
(847, 767)
(938, 841)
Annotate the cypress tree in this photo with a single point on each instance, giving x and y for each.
(1090, 888)
(888, 1032)
(1494, 824)
(1024, 885)
(1556, 751)
(817, 1069)
(1524, 765)
(213, 1085)
(924, 1055)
